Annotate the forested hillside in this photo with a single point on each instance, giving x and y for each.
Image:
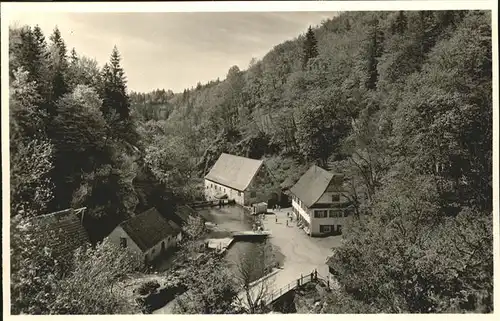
(400, 102)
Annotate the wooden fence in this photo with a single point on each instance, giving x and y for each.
(304, 279)
(211, 203)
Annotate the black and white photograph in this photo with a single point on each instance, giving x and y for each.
(172, 159)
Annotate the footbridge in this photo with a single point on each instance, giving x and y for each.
(273, 286)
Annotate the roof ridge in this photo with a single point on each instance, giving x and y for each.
(258, 160)
(233, 171)
(142, 213)
(326, 186)
(312, 184)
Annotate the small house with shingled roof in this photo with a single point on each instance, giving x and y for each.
(63, 231)
(148, 234)
(242, 179)
(319, 202)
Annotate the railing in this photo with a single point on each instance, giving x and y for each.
(304, 279)
(211, 203)
(292, 285)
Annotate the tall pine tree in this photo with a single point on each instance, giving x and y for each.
(373, 52)
(115, 89)
(310, 49)
(116, 102)
(58, 65)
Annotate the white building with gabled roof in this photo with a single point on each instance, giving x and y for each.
(319, 202)
(242, 179)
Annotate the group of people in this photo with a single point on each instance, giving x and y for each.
(289, 218)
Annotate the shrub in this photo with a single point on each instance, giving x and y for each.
(148, 287)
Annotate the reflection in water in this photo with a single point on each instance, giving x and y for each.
(234, 218)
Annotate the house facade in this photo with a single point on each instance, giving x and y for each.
(319, 203)
(244, 180)
(148, 234)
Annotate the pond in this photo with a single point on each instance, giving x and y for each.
(235, 218)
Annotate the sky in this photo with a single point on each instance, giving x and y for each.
(174, 50)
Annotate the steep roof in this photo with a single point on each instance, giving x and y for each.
(234, 171)
(63, 230)
(149, 228)
(184, 212)
(312, 185)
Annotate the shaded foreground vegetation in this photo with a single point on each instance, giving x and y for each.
(401, 102)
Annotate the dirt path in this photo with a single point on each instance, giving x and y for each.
(302, 252)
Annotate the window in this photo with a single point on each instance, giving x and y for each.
(346, 213)
(321, 214)
(339, 228)
(239, 193)
(335, 213)
(211, 185)
(325, 229)
(123, 242)
(252, 194)
(335, 198)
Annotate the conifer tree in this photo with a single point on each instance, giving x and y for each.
(28, 53)
(58, 65)
(41, 65)
(400, 24)
(114, 88)
(310, 49)
(373, 52)
(73, 57)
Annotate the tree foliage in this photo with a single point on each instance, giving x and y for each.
(211, 288)
(400, 102)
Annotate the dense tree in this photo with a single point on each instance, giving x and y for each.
(42, 284)
(116, 102)
(400, 102)
(373, 52)
(310, 47)
(211, 288)
(62, 155)
(58, 66)
(390, 99)
(31, 151)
